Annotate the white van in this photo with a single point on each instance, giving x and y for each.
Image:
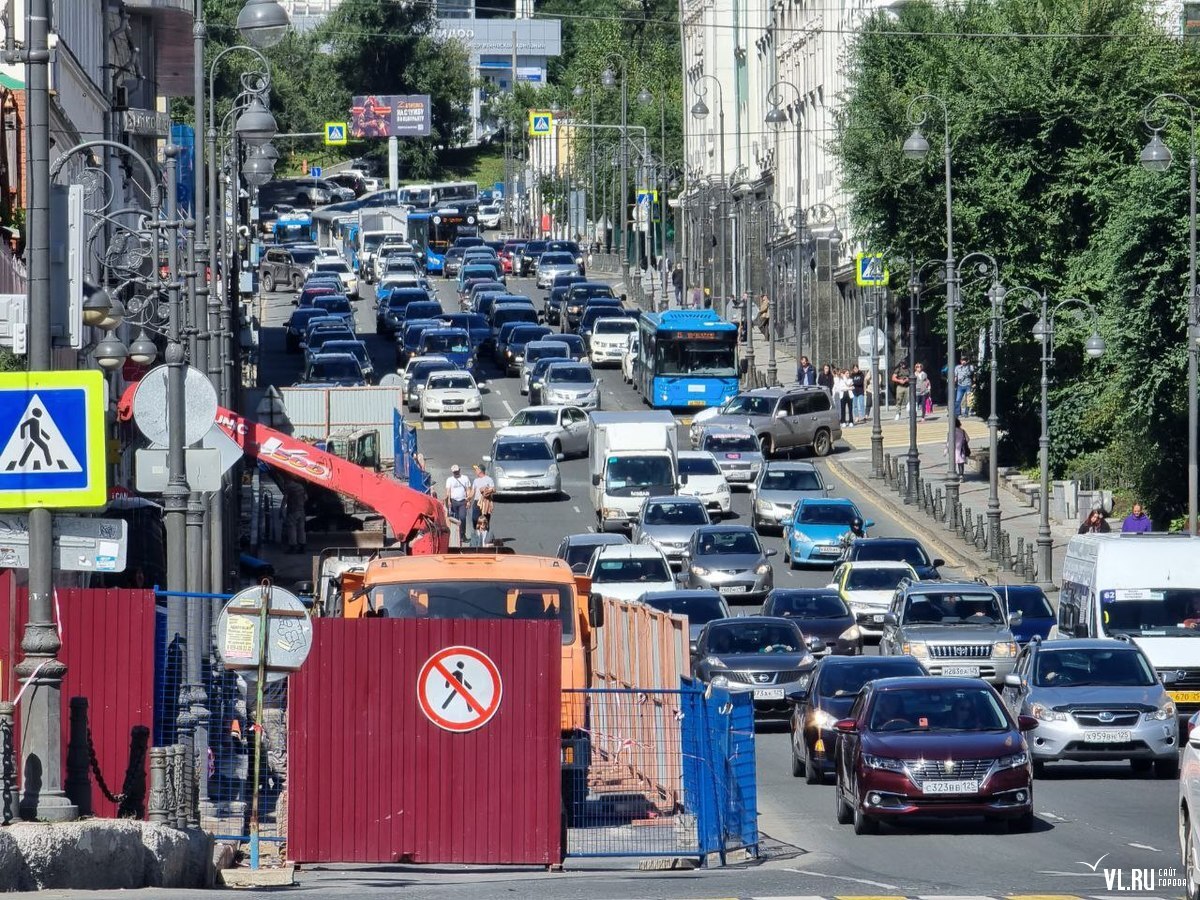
(1146, 587)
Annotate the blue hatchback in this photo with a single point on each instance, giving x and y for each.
(814, 528)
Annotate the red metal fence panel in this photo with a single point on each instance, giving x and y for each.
(108, 648)
(373, 779)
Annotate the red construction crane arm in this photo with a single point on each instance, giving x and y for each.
(416, 519)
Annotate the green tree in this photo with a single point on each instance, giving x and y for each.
(1045, 104)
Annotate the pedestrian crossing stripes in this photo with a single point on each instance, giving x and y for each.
(483, 424)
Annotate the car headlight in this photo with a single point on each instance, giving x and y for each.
(919, 649)
(1045, 714)
(500, 471)
(1164, 713)
(1016, 761)
(723, 488)
(802, 537)
(1005, 649)
(720, 681)
(553, 469)
(853, 633)
(823, 719)
(885, 763)
(764, 506)
(762, 568)
(699, 570)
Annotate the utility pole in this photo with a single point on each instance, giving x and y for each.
(40, 671)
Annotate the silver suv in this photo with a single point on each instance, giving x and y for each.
(954, 629)
(1094, 699)
(784, 418)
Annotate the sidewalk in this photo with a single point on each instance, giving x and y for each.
(1018, 520)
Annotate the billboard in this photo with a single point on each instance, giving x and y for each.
(390, 115)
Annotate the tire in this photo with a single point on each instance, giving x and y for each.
(841, 809)
(1141, 766)
(1166, 769)
(297, 283)
(1022, 824)
(1039, 768)
(379, 328)
(268, 281)
(812, 774)
(798, 768)
(822, 443)
(791, 563)
(1189, 854)
(864, 824)
(768, 447)
(556, 448)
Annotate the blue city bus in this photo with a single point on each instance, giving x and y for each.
(434, 231)
(686, 358)
(293, 225)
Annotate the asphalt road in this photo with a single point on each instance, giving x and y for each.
(1084, 811)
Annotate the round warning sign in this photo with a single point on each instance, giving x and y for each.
(459, 689)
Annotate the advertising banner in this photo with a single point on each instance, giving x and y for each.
(390, 115)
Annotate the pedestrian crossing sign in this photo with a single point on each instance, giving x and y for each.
(540, 122)
(52, 440)
(645, 196)
(870, 271)
(335, 133)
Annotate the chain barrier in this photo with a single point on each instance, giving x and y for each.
(9, 769)
(94, 765)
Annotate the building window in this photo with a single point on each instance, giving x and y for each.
(454, 9)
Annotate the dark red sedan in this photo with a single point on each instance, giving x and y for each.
(932, 747)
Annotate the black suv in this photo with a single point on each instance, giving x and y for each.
(282, 268)
(895, 549)
(530, 254)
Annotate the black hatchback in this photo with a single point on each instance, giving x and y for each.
(823, 616)
(895, 549)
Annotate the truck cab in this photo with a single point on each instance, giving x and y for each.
(632, 456)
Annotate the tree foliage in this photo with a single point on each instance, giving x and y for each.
(1045, 103)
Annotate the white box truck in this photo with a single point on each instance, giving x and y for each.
(1142, 587)
(633, 456)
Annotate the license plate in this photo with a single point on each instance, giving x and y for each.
(1107, 736)
(961, 671)
(1184, 696)
(878, 617)
(695, 403)
(768, 693)
(830, 551)
(732, 589)
(950, 787)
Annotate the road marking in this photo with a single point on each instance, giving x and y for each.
(1146, 847)
(879, 884)
(432, 426)
(576, 508)
(451, 424)
(504, 403)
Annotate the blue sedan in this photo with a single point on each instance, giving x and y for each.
(814, 528)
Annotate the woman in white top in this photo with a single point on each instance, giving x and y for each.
(843, 395)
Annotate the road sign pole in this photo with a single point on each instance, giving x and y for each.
(393, 163)
(40, 670)
(255, 776)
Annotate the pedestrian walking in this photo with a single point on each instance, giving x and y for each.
(295, 518)
(900, 379)
(805, 373)
(920, 388)
(1095, 523)
(843, 395)
(825, 379)
(964, 378)
(962, 447)
(677, 283)
(458, 498)
(764, 315)
(483, 489)
(858, 389)
(1137, 522)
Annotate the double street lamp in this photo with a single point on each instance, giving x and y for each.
(700, 110)
(778, 118)
(1156, 157)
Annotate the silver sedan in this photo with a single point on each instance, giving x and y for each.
(565, 428)
(524, 466)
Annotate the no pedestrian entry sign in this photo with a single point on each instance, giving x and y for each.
(459, 689)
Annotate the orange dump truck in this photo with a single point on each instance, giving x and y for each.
(480, 586)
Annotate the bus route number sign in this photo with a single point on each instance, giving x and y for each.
(696, 335)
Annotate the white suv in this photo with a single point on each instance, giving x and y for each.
(1189, 809)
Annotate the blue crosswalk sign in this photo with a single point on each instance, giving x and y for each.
(870, 271)
(52, 440)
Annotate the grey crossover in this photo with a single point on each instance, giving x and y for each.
(779, 485)
(669, 523)
(730, 559)
(784, 418)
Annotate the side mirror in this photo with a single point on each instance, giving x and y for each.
(772, 552)
(845, 726)
(833, 586)
(486, 459)
(786, 522)
(1012, 680)
(683, 479)
(743, 366)
(797, 696)
(1194, 737)
(1016, 618)
(816, 645)
(303, 587)
(780, 414)
(889, 619)
(1026, 723)
(559, 457)
(595, 481)
(938, 562)
(596, 610)
(867, 523)
(295, 303)
(686, 554)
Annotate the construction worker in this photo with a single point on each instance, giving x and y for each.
(294, 517)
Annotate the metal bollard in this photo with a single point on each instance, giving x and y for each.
(981, 535)
(156, 811)
(78, 785)
(1030, 565)
(1006, 562)
(962, 522)
(133, 806)
(1019, 562)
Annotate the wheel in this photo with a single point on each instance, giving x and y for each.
(556, 448)
(297, 283)
(1189, 857)
(812, 774)
(379, 329)
(1166, 768)
(821, 443)
(1039, 768)
(1141, 766)
(797, 763)
(268, 281)
(841, 809)
(791, 561)
(768, 447)
(864, 824)
(1022, 824)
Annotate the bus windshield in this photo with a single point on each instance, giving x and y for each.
(1152, 612)
(711, 355)
(475, 600)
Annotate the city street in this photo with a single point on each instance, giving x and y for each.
(1084, 811)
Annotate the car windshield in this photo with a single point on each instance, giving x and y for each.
(456, 382)
(891, 551)
(356, 348)
(447, 343)
(638, 472)
(528, 417)
(875, 579)
(674, 513)
(730, 443)
(809, 605)
(514, 314)
(749, 404)
(698, 465)
(828, 514)
(699, 610)
(614, 326)
(304, 256)
(421, 372)
(791, 480)
(522, 450)
(848, 680)
(754, 637)
(1029, 601)
(1092, 667)
(643, 568)
(556, 259)
(578, 555)
(713, 542)
(937, 709)
(332, 303)
(569, 375)
(525, 334)
(334, 370)
(1151, 611)
(318, 339)
(476, 600)
(533, 354)
(980, 607)
(333, 265)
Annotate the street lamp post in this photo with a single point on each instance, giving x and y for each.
(917, 147)
(608, 79)
(914, 455)
(1156, 156)
(996, 294)
(777, 117)
(700, 110)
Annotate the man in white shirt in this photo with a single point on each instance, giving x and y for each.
(458, 498)
(482, 488)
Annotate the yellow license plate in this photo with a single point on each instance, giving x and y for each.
(1184, 696)
(695, 403)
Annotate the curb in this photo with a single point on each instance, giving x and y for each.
(951, 554)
